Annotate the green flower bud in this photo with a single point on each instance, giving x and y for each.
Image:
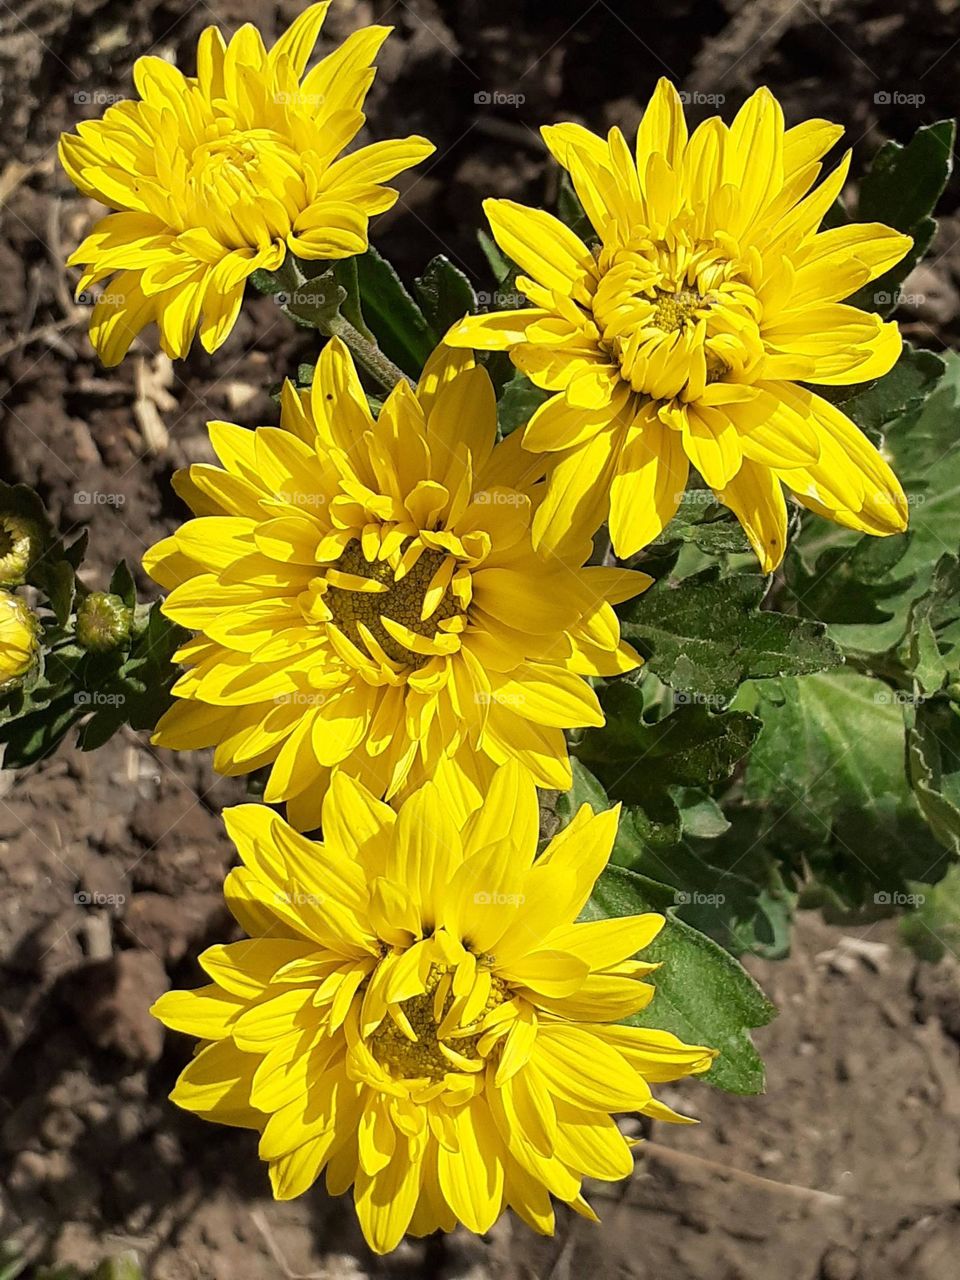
(103, 622)
(20, 544)
(19, 640)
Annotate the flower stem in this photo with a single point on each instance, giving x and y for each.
(323, 314)
(366, 353)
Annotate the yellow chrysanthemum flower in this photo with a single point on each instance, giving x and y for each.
(418, 1013)
(18, 639)
(368, 598)
(686, 336)
(218, 174)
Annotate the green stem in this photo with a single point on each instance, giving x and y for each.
(366, 353)
(334, 324)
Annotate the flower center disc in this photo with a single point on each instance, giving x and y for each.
(673, 310)
(408, 1059)
(402, 602)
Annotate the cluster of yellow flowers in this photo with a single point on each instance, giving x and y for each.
(395, 614)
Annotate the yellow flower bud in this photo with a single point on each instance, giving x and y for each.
(19, 632)
(20, 541)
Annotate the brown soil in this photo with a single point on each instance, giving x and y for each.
(110, 865)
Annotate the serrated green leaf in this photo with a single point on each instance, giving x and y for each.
(929, 650)
(933, 764)
(901, 189)
(148, 673)
(445, 294)
(642, 763)
(705, 635)
(702, 994)
(701, 520)
(829, 771)
(722, 879)
(923, 448)
(898, 392)
(400, 327)
(100, 728)
(849, 584)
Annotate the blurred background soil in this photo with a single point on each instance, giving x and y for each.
(110, 864)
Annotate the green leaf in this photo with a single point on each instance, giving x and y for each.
(726, 887)
(571, 211)
(100, 728)
(58, 582)
(933, 928)
(500, 265)
(923, 448)
(123, 585)
(266, 282)
(445, 294)
(828, 769)
(351, 307)
(518, 403)
(77, 550)
(316, 301)
(702, 994)
(933, 764)
(901, 190)
(401, 328)
(642, 763)
(149, 672)
(703, 521)
(849, 584)
(873, 405)
(34, 736)
(705, 635)
(931, 648)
